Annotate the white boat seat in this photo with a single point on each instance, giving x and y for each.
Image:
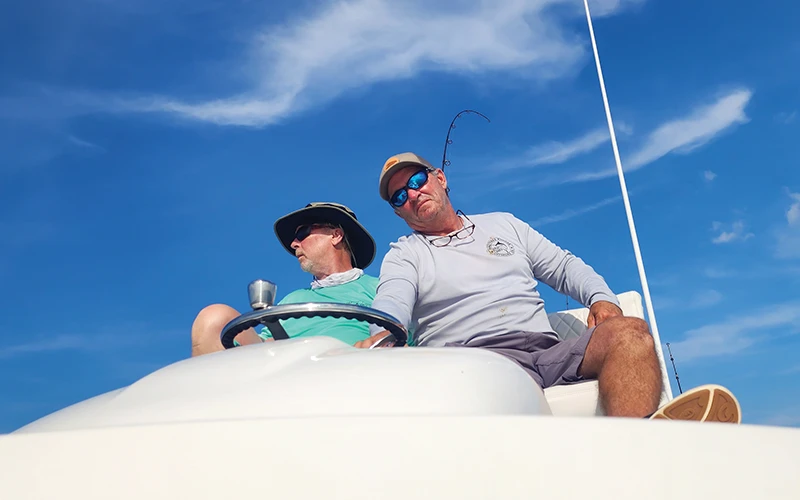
(582, 399)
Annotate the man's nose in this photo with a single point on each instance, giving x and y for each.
(295, 244)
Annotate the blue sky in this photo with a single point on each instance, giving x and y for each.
(145, 151)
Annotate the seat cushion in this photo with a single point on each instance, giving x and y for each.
(576, 400)
(583, 399)
(572, 322)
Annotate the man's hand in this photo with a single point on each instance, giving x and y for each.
(601, 311)
(248, 337)
(371, 341)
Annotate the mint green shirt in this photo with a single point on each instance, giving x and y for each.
(358, 292)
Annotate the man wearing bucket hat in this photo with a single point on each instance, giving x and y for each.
(331, 245)
(471, 281)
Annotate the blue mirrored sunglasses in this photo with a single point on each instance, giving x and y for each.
(416, 181)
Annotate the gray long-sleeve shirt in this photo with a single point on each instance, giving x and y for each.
(482, 286)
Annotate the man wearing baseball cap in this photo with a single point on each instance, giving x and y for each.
(471, 281)
(331, 245)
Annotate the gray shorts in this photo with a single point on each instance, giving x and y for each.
(548, 360)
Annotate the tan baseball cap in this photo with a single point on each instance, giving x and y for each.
(394, 164)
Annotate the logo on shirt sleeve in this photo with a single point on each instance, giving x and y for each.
(499, 246)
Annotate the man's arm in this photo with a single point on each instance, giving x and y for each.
(568, 274)
(396, 293)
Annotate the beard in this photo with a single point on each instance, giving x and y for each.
(307, 265)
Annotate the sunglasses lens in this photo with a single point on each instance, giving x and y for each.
(418, 180)
(302, 233)
(399, 197)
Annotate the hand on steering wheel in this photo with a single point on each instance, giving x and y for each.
(380, 339)
(396, 336)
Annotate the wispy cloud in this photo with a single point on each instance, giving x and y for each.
(77, 141)
(788, 235)
(679, 136)
(699, 300)
(793, 213)
(706, 298)
(709, 175)
(122, 336)
(555, 152)
(569, 214)
(686, 134)
(786, 117)
(344, 45)
(792, 370)
(54, 343)
(718, 272)
(738, 333)
(790, 417)
(736, 232)
(26, 143)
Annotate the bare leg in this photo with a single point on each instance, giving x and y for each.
(621, 355)
(208, 325)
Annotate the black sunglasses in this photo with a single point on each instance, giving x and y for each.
(305, 230)
(416, 181)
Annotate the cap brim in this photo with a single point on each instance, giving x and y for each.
(361, 242)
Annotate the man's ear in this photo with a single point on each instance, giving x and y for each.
(441, 178)
(337, 235)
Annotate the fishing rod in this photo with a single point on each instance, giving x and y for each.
(677, 379)
(448, 141)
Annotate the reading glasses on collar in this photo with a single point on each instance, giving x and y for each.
(460, 234)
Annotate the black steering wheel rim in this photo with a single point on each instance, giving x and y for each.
(271, 314)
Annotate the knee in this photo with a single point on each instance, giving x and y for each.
(630, 331)
(215, 314)
(208, 325)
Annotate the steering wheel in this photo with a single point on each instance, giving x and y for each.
(269, 315)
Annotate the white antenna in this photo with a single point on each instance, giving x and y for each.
(648, 302)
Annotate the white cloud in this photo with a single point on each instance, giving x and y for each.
(789, 417)
(737, 333)
(680, 136)
(736, 232)
(786, 118)
(123, 336)
(706, 298)
(54, 343)
(686, 134)
(77, 141)
(725, 237)
(555, 152)
(351, 44)
(663, 303)
(606, 7)
(793, 214)
(700, 300)
(788, 236)
(709, 175)
(569, 214)
(791, 370)
(717, 273)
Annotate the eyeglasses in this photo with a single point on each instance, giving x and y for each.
(305, 230)
(416, 181)
(461, 234)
